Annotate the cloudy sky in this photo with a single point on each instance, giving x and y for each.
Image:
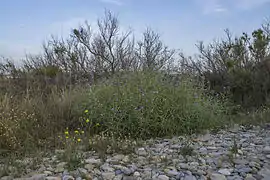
(25, 24)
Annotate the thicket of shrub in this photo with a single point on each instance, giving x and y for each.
(145, 105)
(237, 67)
(131, 88)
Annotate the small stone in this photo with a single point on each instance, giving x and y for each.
(188, 173)
(172, 173)
(225, 172)
(250, 177)
(118, 157)
(126, 159)
(89, 167)
(41, 168)
(194, 164)
(59, 151)
(50, 169)
(106, 167)
(199, 172)
(118, 177)
(38, 177)
(108, 175)
(146, 174)
(88, 177)
(239, 151)
(235, 177)
(254, 164)
(83, 171)
(243, 174)
(217, 177)
(245, 170)
(190, 177)
(67, 177)
(212, 148)
(97, 171)
(129, 178)
(48, 173)
(202, 161)
(53, 178)
(60, 167)
(7, 178)
(266, 150)
(96, 162)
(183, 166)
(180, 176)
(137, 174)
(176, 146)
(203, 150)
(141, 152)
(258, 177)
(234, 128)
(204, 178)
(241, 161)
(127, 171)
(264, 173)
(118, 171)
(132, 167)
(163, 177)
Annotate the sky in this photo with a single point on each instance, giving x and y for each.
(26, 24)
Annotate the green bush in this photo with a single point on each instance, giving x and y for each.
(145, 105)
(237, 67)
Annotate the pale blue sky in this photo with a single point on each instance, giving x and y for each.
(26, 23)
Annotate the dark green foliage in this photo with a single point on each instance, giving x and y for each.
(238, 68)
(145, 106)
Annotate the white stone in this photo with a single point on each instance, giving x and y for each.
(225, 172)
(217, 177)
(136, 174)
(266, 150)
(163, 177)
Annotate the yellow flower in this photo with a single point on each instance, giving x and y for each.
(97, 124)
(87, 120)
(76, 131)
(86, 111)
(67, 137)
(79, 140)
(82, 132)
(66, 132)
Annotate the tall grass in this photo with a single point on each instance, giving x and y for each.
(138, 105)
(32, 121)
